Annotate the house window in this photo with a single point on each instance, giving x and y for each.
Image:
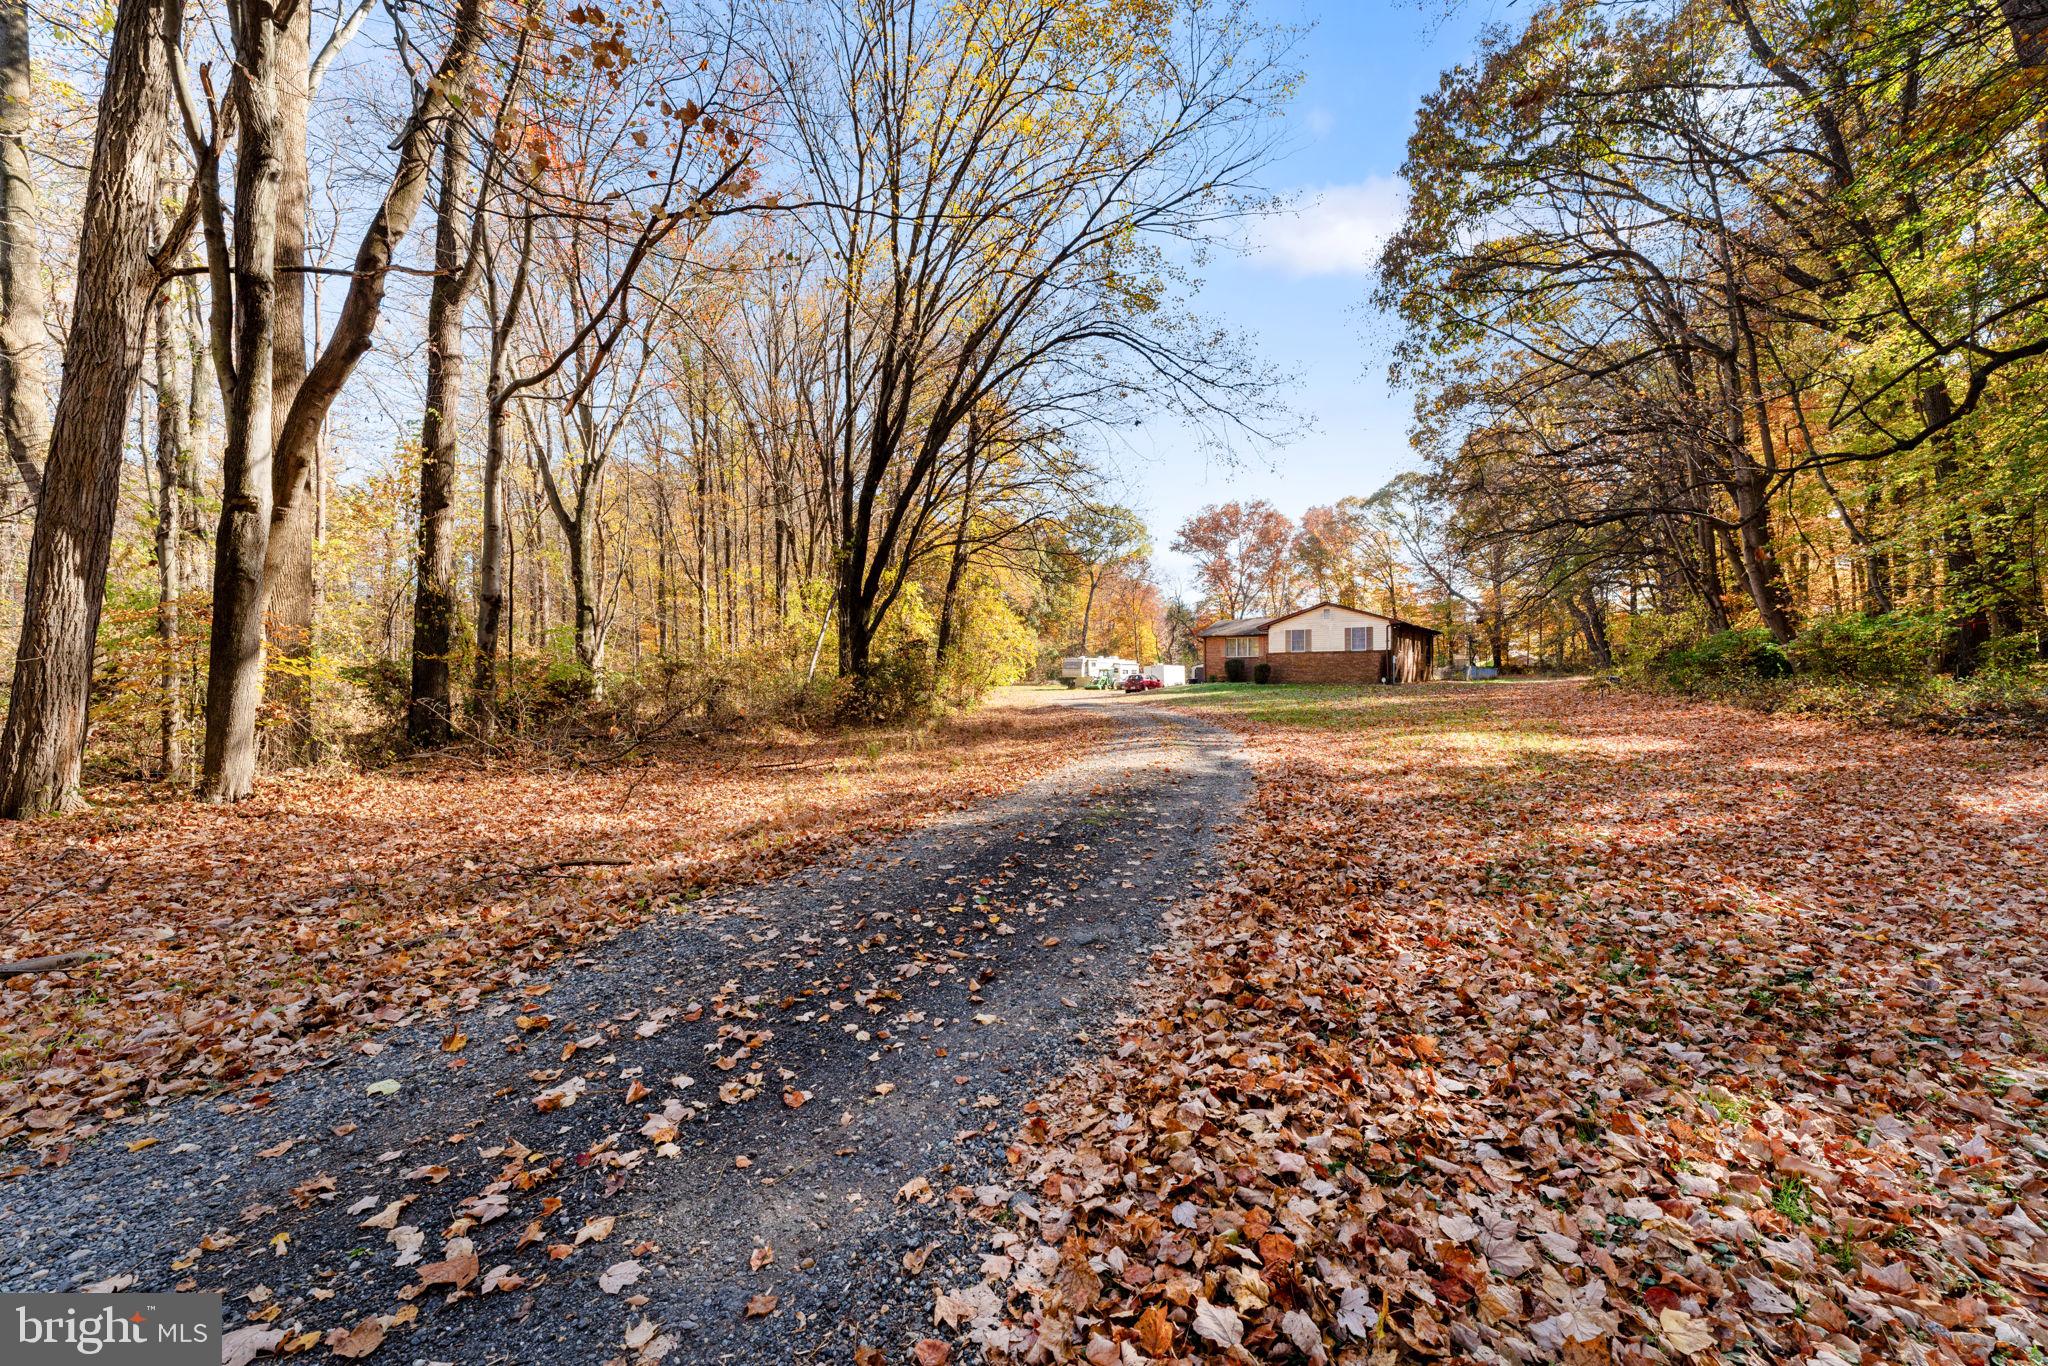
(1297, 642)
(1240, 647)
(1358, 637)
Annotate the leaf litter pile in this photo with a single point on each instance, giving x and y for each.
(1537, 1024)
(235, 945)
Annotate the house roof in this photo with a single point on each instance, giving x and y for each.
(1238, 626)
(1258, 626)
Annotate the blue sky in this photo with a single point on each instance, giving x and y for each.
(1301, 291)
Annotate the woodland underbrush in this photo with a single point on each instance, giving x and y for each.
(1881, 669)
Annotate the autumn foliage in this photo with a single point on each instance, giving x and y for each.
(1559, 1025)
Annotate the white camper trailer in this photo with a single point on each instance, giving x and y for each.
(1169, 675)
(1086, 670)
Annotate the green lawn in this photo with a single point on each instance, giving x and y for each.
(1340, 706)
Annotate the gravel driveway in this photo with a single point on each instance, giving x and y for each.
(745, 1132)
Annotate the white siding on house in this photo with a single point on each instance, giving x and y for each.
(1325, 626)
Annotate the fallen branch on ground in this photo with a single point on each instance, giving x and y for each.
(52, 963)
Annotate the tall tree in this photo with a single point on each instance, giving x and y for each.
(43, 742)
(1348, 556)
(24, 407)
(174, 477)
(993, 185)
(245, 563)
(244, 270)
(430, 711)
(1102, 538)
(1698, 267)
(293, 590)
(1241, 552)
(504, 308)
(292, 593)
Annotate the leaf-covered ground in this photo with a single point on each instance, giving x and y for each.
(242, 943)
(1543, 1023)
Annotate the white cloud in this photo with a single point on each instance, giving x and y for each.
(1335, 230)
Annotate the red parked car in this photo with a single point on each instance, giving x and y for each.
(1140, 683)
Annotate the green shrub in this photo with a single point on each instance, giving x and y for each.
(1262, 672)
(1890, 647)
(386, 687)
(2009, 656)
(991, 645)
(901, 684)
(1867, 670)
(1643, 641)
(1234, 670)
(1724, 657)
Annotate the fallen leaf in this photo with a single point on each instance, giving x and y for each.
(1155, 1331)
(618, 1276)
(456, 1270)
(243, 1345)
(1685, 1334)
(365, 1338)
(1218, 1324)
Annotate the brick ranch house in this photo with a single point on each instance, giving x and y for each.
(1323, 643)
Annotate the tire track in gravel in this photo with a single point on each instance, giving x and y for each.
(908, 998)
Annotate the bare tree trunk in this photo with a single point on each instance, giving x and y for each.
(1759, 560)
(1586, 610)
(173, 459)
(292, 591)
(240, 590)
(203, 390)
(24, 407)
(491, 576)
(589, 642)
(431, 709)
(2028, 22)
(234, 674)
(1712, 593)
(856, 630)
(701, 504)
(364, 302)
(43, 743)
(491, 569)
(949, 603)
(956, 567)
